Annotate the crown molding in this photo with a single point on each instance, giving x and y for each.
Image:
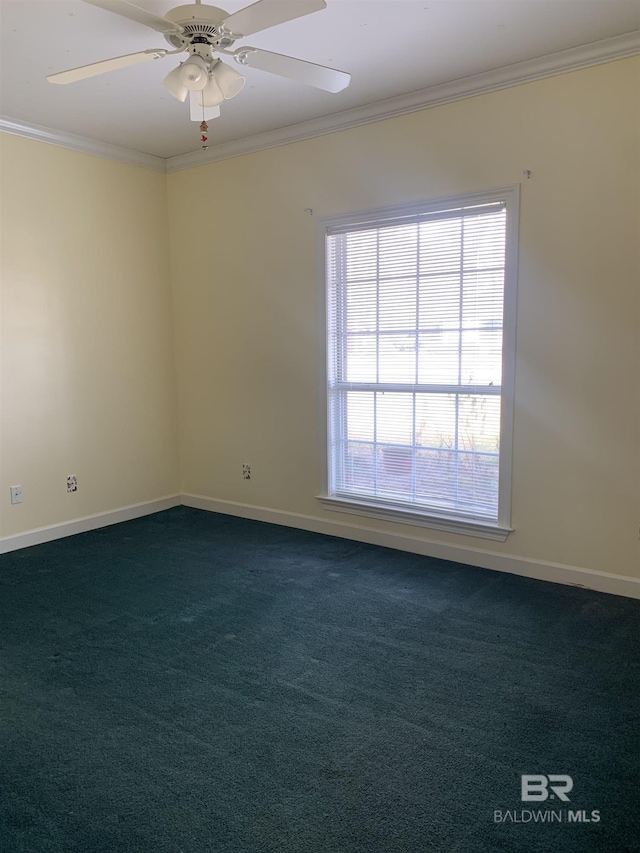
(573, 59)
(80, 143)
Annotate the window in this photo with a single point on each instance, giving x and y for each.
(420, 362)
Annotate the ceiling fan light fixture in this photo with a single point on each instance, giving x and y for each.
(174, 85)
(194, 73)
(228, 79)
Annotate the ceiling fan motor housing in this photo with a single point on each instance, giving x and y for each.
(200, 23)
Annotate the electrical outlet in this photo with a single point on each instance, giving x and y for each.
(246, 472)
(16, 494)
(72, 483)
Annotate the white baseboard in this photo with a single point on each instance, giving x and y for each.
(536, 569)
(87, 522)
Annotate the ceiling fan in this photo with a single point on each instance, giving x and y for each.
(204, 32)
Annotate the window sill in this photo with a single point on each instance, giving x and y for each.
(388, 512)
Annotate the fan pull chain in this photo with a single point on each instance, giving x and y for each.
(204, 130)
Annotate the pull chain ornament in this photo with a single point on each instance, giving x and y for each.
(204, 138)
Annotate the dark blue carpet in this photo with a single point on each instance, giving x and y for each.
(194, 682)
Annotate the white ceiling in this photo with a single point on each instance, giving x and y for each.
(391, 47)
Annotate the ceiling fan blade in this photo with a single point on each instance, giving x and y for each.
(267, 13)
(198, 112)
(319, 76)
(95, 68)
(135, 13)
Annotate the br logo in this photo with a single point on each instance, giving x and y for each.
(536, 788)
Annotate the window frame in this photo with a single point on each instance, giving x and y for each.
(394, 510)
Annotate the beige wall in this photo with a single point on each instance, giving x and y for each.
(248, 320)
(88, 374)
(88, 384)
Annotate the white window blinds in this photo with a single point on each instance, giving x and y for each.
(415, 359)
